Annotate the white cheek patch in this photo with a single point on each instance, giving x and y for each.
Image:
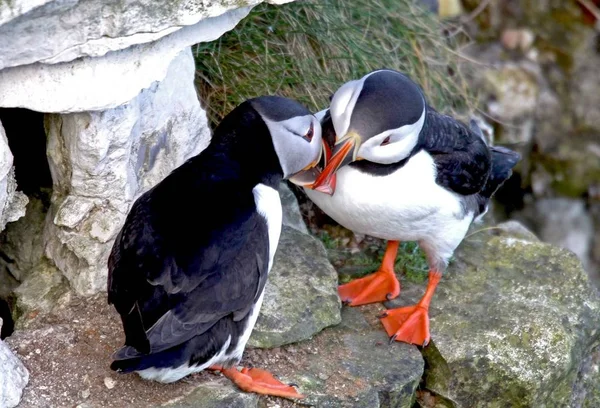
(402, 141)
(342, 105)
(293, 151)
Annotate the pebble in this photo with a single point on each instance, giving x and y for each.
(109, 383)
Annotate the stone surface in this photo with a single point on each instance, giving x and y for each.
(68, 353)
(512, 322)
(216, 394)
(291, 210)
(513, 91)
(102, 83)
(21, 242)
(102, 160)
(564, 222)
(301, 293)
(516, 229)
(43, 289)
(353, 365)
(12, 202)
(591, 381)
(51, 31)
(13, 377)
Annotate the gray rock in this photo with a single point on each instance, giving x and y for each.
(107, 81)
(353, 365)
(12, 202)
(13, 377)
(216, 394)
(512, 322)
(516, 229)
(586, 392)
(42, 290)
(291, 211)
(101, 161)
(44, 31)
(564, 222)
(301, 293)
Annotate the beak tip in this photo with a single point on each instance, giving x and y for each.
(325, 189)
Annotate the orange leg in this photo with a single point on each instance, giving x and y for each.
(258, 381)
(376, 287)
(411, 324)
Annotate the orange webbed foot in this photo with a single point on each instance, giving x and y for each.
(408, 324)
(259, 381)
(376, 287)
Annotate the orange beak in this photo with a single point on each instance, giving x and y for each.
(326, 181)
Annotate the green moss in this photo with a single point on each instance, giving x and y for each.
(306, 49)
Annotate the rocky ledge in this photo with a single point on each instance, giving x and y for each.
(515, 322)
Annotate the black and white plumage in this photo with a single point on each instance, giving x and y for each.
(417, 174)
(188, 269)
(402, 171)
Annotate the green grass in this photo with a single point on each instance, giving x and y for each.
(306, 49)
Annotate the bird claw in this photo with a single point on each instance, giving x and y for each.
(382, 315)
(346, 302)
(293, 385)
(393, 338)
(389, 296)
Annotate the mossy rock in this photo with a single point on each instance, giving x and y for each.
(573, 166)
(301, 293)
(511, 322)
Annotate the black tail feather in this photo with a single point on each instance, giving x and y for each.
(503, 161)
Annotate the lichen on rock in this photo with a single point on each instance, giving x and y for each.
(511, 323)
(301, 293)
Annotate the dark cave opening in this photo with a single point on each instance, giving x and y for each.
(27, 141)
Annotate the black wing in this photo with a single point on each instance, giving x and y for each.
(461, 156)
(192, 251)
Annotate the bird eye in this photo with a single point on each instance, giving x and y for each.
(385, 141)
(309, 135)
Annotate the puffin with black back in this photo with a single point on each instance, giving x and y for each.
(399, 170)
(188, 269)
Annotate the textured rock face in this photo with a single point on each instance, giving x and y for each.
(291, 210)
(101, 161)
(215, 394)
(12, 202)
(118, 48)
(13, 377)
(512, 324)
(375, 374)
(109, 26)
(102, 83)
(563, 222)
(301, 293)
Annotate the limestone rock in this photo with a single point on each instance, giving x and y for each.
(511, 322)
(291, 210)
(12, 202)
(102, 160)
(591, 381)
(563, 222)
(102, 83)
(26, 25)
(13, 377)
(41, 291)
(353, 365)
(301, 293)
(216, 394)
(513, 91)
(119, 48)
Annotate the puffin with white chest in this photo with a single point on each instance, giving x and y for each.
(188, 269)
(398, 170)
